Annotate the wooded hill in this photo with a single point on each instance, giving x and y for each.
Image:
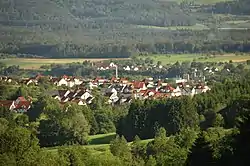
(101, 28)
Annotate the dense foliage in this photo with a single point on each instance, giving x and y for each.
(103, 28)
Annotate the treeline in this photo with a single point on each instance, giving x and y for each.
(240, 7)
(125, 51)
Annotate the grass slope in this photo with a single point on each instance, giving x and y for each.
(99, 143)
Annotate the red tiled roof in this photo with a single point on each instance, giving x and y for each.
(6, 103)
(21, 98)
(23, 105)
(113, 79)
(138, 85)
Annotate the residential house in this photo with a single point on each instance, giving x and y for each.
(20, 105)
(83, 94)
(127, 68)
(138, 85)
(100, 81)
(112, 94)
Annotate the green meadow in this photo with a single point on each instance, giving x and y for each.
(172, 58)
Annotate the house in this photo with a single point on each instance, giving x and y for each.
(136, 69)
(9, 104)
(112, 64)
(99, 81)
(112, 97)
(127, 68)
(114, 80)
(176, 92)
(125, 98)
(84, 95)
(89, 100)
(127, 89)
(78, 81)
(20, 105)
(92, 85)
(70, 83)
(111, 93)
(61, 82)
(149, 93)
(123, 81)
(61, 95)
(111, 89)
(138, 85)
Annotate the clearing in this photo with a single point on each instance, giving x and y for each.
(99, 143)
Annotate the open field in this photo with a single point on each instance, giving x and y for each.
(34, 63)
(28, 63)
(99, 143)
(193, 27)
(172, 58)
(101, 138)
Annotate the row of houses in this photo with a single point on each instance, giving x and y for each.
(112, 65)
(125, 92)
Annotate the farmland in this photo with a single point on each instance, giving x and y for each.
(28, 63)
(33, 63)
(172, 58)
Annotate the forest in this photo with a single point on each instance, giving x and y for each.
(95, 28)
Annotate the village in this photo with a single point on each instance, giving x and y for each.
(116, 90)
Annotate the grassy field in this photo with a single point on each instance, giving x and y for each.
(172, 58)
(194, 27)
(33, 63)
(27, 63)
(101, 139)
(99, 143)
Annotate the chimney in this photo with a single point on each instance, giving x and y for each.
(116, 71)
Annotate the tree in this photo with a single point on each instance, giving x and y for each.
(248, 62)
(18, 146)
(151, 161)
(138, 151)
(120, 148)
(166, 151)
(218, 121)
(66, 125)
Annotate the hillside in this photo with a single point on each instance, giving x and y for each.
(91, 28)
